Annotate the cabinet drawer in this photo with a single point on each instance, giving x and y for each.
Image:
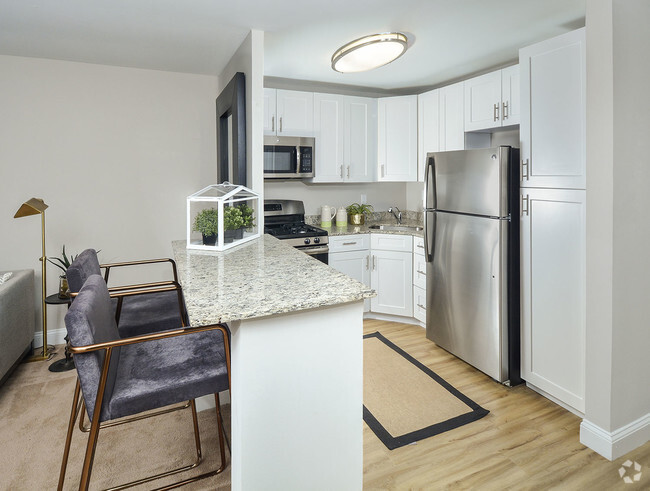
(418, 245)
(419, 271)
(356, 242)
(420, 304)
(391, 242)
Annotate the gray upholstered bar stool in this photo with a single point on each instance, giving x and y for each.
(122, 377)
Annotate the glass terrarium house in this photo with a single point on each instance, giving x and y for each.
(222, 216)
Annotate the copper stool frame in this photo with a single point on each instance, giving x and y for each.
(96, 425)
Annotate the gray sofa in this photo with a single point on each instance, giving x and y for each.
(16, 319)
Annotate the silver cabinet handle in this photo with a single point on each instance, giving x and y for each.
(348, 172)
(367, 262)
(420, 246)
(374, 262)
(524, 163)
(348, 243)
(421, 272)
(496, 112)
(422, 306)
(524, 199)
(383, 171)
(505, 110)
(272, 123)
(280, 124)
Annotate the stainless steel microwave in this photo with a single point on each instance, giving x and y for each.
(288, 157)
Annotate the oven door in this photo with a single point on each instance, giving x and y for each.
(320, 252)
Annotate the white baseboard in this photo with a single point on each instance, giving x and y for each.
(54, 336)
(392, 318)
(617, 443)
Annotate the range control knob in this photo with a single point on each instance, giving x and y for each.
(307, 241)
(316, 240)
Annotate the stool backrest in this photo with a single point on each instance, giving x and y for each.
(85, 265)
(89, 321)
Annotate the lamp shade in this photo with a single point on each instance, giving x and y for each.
(369, 52)
(30, 207)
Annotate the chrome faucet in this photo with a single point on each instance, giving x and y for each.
(398, 215)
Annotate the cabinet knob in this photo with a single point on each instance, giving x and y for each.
(496, 112)
(504, 112)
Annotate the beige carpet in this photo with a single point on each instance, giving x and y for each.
(34, 410)
(404, 401)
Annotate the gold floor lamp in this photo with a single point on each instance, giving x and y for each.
(31, 207)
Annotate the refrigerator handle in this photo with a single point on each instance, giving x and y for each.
(429, 185)
(429, 232)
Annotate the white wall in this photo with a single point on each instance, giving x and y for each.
(379, 195)
(113, 151)
(249, 59)
(618, 229)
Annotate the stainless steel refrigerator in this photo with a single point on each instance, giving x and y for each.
(472, 252)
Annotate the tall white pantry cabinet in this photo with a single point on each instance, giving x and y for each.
(553, 230)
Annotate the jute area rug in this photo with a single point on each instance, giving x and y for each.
(404, 401)
(34, 410)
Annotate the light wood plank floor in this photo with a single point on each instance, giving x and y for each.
(526, 442)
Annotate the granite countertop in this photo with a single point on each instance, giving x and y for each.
(409, 218)
(260, 278)
(365, 229)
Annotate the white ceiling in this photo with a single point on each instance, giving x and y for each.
(449, 39)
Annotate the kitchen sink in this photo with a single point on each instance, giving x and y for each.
(397, 228)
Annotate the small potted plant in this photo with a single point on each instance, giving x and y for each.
(63, 263)
(233, 223)
(247, 215)
(357, 213)
(207, 223)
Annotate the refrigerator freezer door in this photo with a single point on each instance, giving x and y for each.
(470, 181)
(466, 291)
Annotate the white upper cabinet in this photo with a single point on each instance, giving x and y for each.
(492, 100)
(510, 95)
(428, 127)
(553, 112)
(452, 121)
(288, 112)
(346, 138)
(397, 138)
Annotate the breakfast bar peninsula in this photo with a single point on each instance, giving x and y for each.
(297, 361)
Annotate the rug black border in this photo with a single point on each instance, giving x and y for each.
(393, 442)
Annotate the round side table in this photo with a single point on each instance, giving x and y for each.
(67, 363)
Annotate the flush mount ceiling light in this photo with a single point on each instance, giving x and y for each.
(369, 52)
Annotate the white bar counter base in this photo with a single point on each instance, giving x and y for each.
(297, 362)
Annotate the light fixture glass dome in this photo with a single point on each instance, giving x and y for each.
(369, 52)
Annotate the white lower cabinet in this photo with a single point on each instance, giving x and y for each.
(350, 254)
(382, 261)
(391, 274)
(419, 280)
(553, 292)
(420, 304)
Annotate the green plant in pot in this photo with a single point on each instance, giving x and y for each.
(247, 215)
(63, 263)
(233, 223)
(357, 213)
(207, 223)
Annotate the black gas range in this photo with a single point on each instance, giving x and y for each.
(285, 220)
